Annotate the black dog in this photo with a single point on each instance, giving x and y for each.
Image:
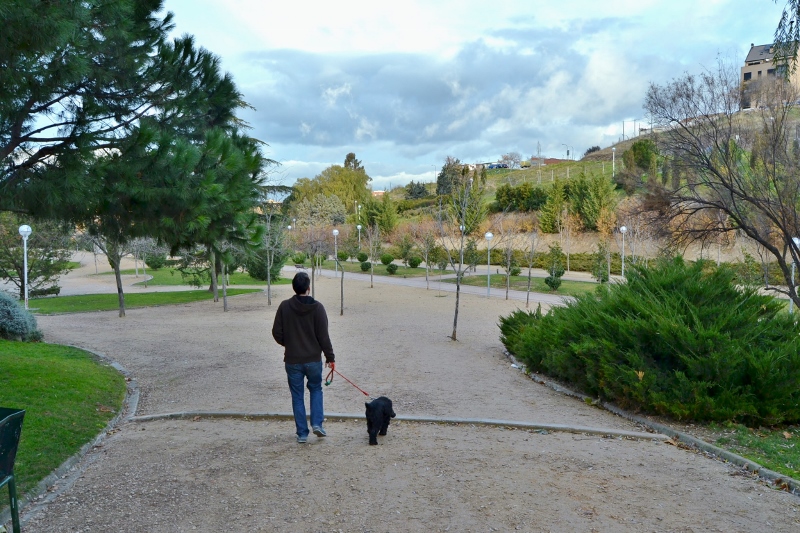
(379, 414)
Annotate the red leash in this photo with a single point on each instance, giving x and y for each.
(329, 380)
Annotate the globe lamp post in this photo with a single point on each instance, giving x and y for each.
(25, 231)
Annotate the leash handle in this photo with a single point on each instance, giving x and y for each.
(329, 380)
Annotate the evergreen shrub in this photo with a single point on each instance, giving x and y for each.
(676, 340)
(256, 265)
(343, 255)
(155, 261)
(414, 262)
(299, 258)
(387, 258)
(16, 324)
(391, 268)
(362, 257)
(365, 266)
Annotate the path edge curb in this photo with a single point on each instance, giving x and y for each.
(182, 415)
(776, 479)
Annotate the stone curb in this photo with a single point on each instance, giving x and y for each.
(41, 494)
(424, 419)
(776, 479)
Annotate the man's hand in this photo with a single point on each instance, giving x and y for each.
(331, 365)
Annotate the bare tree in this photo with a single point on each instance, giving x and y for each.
(312, 239)
(530, 258)
(455, 221)
(374, 246)
(512, 159)
(425, 236)
(744, 165)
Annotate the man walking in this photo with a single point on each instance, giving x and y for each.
(301, 327)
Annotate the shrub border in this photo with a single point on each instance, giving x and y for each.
(775, 479)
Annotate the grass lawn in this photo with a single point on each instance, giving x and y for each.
(776, 449)
(68, 396)
(169, 277)
(108, 302)
(520, 283)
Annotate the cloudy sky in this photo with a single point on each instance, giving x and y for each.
(404, 84)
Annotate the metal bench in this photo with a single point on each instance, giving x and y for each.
(10, 429)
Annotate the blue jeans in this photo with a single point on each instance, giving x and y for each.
(296, 375)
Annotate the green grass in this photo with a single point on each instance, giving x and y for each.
(767, 447)
(68, 396)
(520, 283)
(168, 277)
(108, 302)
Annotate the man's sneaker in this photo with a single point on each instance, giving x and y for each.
(318, 431)
(301, 440)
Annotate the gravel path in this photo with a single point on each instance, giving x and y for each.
(250, 475)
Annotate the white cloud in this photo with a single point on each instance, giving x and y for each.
(404, 85)
(331, 94)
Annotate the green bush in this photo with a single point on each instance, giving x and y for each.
(514, 271)
(414, 262)
(391, 268)
(16, 324)
(387, 258)
(365, 265)
(343, 255)
(362, 257)
(299, 258)
(677, 339)
(256, 265)
(155, 261)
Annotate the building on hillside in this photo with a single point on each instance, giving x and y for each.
(761, 64)
(378, 194)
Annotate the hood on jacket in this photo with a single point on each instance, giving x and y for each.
(302, 305)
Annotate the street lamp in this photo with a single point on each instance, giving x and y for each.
(289, 227)
(623, 230)
(613, 162)
(795, 240)
(488, 236)
(359, 236)
(567, 147)
(25, 231)
(335, 251)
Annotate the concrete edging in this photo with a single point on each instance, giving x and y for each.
(777, 479)
(424, 419)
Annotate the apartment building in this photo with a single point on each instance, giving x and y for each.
(761, 64)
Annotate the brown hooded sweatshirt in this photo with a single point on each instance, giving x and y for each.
(301, 326)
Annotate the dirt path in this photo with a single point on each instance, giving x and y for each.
(246, 475)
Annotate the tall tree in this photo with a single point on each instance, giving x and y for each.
(350, 162)
(75, 76)
(448, 176)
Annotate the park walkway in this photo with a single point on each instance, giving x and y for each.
(246, 473)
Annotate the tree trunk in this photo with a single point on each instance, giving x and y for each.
(118, 276)
(528, 294)
(269, 277)
(224, 288)
(213, 261)
(458, 285)
(427, 283)
(341, 293)
(313, 282)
